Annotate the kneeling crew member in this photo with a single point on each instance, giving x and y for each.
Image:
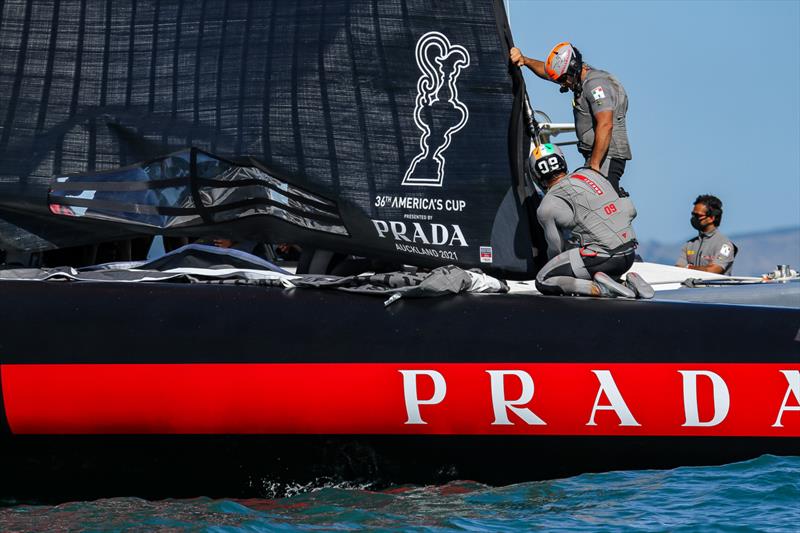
(710, 251)
(585, 204)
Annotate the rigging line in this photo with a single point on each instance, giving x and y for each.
(533, 125)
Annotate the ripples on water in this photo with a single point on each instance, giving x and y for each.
(762, 494)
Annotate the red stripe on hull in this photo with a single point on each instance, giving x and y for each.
(375, 398)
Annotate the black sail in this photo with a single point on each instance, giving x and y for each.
(386, 129)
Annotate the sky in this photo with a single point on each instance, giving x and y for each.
(714, 102)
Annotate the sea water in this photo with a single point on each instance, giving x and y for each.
(762, 494)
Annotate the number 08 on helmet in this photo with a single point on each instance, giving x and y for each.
(547, 161)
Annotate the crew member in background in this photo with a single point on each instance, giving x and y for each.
(258, 249)
(584, 204)
(710, 251)
(599, 106)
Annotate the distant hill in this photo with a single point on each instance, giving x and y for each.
(758, 252)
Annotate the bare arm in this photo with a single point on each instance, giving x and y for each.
(603, 127)
(723, 259)
(684, 263)
(534, 64)
(716, 269)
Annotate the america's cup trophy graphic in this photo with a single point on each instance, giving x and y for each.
(439, 114)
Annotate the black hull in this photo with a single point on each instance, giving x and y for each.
(163, 323)
(103, 325)
(55, 469)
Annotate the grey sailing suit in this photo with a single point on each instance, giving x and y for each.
(603, 92)
(600, 238)
(708, 249)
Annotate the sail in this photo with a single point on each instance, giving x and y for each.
(386, 129)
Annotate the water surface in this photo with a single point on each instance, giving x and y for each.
(762, 494)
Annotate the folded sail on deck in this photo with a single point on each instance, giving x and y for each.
(386, 129)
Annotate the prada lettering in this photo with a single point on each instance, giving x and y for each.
(519, 408)
(420, 233)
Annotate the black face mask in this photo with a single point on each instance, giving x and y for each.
(695, 222)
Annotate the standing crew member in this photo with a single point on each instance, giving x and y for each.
(599, 106)
(710, 251)
(585, 204)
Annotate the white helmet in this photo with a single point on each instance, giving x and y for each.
(547, 160)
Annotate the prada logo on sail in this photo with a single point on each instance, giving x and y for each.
(438, 113)
(438, 234)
